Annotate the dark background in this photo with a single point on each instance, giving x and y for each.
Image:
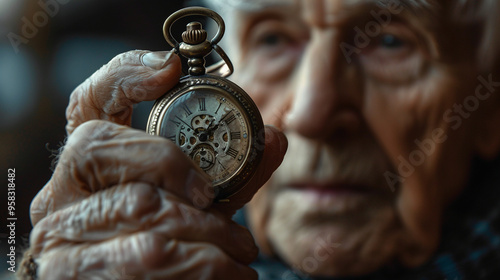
(71, 42)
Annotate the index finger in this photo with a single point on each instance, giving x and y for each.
(100, 154)
(127, 79)
(275, 148)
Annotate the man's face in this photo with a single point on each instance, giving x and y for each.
(375, 99)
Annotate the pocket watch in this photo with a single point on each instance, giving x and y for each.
(211, 119)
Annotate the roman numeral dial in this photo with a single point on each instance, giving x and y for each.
(210, 128)
(201, 104)
(232, 152)
(210, 119)
(235, 135)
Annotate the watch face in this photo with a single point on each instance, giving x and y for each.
(211, 127)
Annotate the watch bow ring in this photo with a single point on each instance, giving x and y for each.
(211, 119)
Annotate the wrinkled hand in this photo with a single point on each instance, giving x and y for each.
(122, 203)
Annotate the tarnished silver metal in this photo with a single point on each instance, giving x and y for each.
(211, 119)
(195, 46)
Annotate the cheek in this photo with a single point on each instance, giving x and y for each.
(431, 167)
(270, 92)
(426, 140)
(402, 114)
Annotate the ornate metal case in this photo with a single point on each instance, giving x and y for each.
(210, 118)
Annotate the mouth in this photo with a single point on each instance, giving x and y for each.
(334, 189)
(336, 197)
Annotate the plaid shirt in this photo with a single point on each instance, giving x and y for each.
(470, 243)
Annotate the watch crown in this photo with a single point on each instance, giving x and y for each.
(194, 34)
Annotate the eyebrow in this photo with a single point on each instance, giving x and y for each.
(256, 5)
(414, 6)
(426, 11)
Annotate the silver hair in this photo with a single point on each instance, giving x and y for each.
(483, 13)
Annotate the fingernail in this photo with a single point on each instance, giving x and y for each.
(282, 140)
(156, 60)
(270, 136)
(199, 189)
(283, 143)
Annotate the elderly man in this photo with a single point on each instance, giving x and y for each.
(390, 111)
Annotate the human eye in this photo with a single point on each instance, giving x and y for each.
(272, 38)
(394, 55)
(389, 47)
(274, 46)
(389, 41)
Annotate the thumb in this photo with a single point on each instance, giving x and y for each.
(274, 152)
(127, 79)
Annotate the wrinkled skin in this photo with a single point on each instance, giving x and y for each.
(122, 202)
(329, 209)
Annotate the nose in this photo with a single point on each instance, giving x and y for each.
(324, 99)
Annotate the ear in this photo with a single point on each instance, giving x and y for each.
(487, 138)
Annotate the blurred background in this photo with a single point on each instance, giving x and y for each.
(47, 48)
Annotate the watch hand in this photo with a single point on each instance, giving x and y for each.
(210, 124)
(207, 131)
(204, 159)
(185, 123)
(221, 164)
(223, 117)
(210, 127)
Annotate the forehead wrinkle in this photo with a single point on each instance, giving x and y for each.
(255, 5)
(428, 13)
(332, 12)
(329, 10)
(413, 6)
